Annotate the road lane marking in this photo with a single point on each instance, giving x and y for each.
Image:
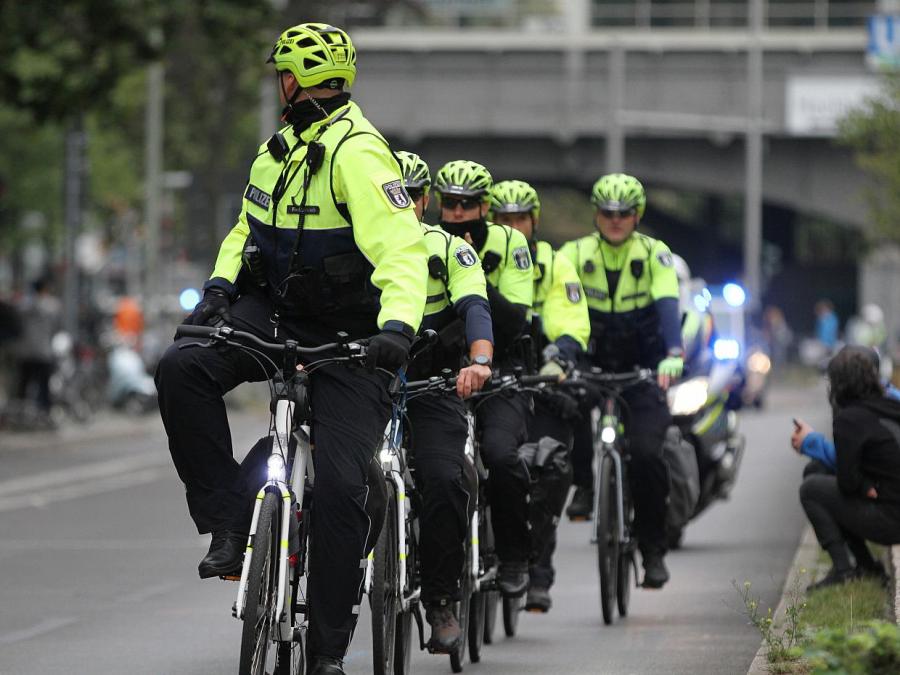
(43, 497)
(38, 629)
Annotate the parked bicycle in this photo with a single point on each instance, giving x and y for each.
(274, 582)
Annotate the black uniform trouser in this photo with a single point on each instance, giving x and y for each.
(546, 422)
(648, 475)
(351, 409)
(846, 520)
(439, 431)
(503, 421)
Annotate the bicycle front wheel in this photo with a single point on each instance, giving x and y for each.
(260, 622)
(607, 537)
(384, 596)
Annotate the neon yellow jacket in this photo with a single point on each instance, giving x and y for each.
(355, 202)
(559, 299)
(639, 323)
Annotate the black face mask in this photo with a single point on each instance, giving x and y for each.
(476, 228)
(304, 113)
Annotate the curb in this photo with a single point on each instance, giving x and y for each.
(806, 557)
(894, 560)
(103, 427)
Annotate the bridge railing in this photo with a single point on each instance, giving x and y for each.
(819, 14)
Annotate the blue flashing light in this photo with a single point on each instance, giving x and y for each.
(700, 303)
(726, 348)
(189, 298)
(734, 295)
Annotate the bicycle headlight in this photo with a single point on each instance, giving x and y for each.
(688, 397)
(275, 464)
(608, 435)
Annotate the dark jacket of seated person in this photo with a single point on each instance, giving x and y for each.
(861, 501)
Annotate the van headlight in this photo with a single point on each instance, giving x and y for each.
(688, 397)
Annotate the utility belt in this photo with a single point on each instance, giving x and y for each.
(619, 343)
(340, 283)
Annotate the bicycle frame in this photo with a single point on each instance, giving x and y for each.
(283, 456)
(609, 421)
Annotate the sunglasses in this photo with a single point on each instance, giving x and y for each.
(415, 194)
(467, 203)
(608, 213)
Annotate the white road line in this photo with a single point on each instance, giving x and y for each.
(83, 472)
(38, 629)
(44, 495)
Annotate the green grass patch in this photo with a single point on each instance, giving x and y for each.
(846, 606)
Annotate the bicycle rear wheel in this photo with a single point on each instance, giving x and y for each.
(384, 596)
(512, 608)
(477, 609)
(492, 595)
(607, 537)
(465, 597)
(260, 623)
(626, 559)
(405, 623)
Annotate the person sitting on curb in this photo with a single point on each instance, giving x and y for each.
(853, 494)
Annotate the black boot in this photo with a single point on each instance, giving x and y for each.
(582, 504)
(538, 600)
(327, 665)
(655, 573)
(874, 571)
(512, 577)
(225, 554)
(445, 630)
(835, 577)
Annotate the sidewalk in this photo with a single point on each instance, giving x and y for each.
(103, 425)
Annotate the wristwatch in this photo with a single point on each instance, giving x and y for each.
(482, 360)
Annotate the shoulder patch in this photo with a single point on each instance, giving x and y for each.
(573, 292)
(465, 256)
(665, 259)
(396, 194)
(522, 257)
(258, 197)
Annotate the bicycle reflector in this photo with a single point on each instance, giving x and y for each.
(276, 467)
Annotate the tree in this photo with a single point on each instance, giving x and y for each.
(873, 131)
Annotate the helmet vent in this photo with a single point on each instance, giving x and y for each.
(284, 50)
(310, 63)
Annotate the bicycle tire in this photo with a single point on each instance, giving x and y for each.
(458, 655)
(512, 608)
(492, 601)
(607, 537)
(259, 606)
(626, 560)
(384, 598)
(405, 623)
(477, 609)
(492, 595)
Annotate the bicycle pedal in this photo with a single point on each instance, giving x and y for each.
(578, 519)
(230, 577)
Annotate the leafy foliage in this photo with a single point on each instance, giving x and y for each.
(872, 651)
(873, 131)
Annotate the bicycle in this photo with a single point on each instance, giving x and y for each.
(479, 593)
(274, 580)
(613, 509)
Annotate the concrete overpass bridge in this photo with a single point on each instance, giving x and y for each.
(670, 105)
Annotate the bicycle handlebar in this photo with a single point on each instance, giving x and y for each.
(226, 333)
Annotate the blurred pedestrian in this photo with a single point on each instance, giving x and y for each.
(851, 489)
(777, 334)
(41, 314)
(826, 324)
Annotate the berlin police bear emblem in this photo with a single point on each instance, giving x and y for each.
(396, 194)
(465, 256)
(573, 292)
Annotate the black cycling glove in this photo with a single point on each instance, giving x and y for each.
(213, 310)
(389, 350)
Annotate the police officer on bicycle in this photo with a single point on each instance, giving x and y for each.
(326, 241)
(560, 331)
(463, 189)
(632, 296)
(458, 310)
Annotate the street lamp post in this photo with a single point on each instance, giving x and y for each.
(753, 157)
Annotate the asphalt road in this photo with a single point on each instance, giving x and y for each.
(98, 567)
